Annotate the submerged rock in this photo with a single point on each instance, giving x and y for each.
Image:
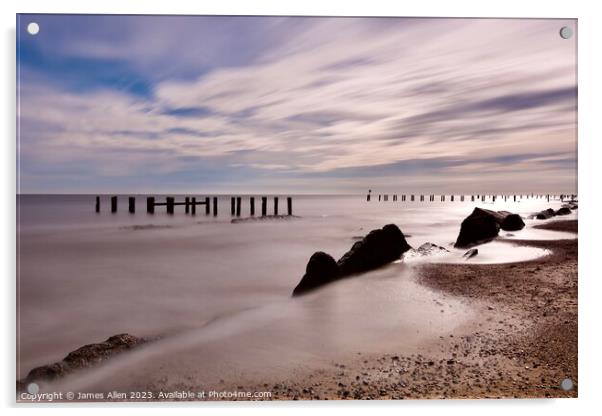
(83, 357)
(563, 211)
(378, 248)
(471, 253)
(544, 215)
(429, 249)
(320, 270)
(425, 250)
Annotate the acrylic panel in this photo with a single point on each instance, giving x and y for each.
(295, 208)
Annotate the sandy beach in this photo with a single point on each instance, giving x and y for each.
(523, 347)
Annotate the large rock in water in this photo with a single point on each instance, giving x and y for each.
(544, 215)
(563, 211)
(484, 225)
(320, 270)
(509, 221)
(83, 357)
(479, 227)
(378, 248)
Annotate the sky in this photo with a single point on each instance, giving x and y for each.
(233, 104)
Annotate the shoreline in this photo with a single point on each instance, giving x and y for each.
(523, 344)
(526, 353)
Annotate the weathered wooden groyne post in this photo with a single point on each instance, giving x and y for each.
(411, 198)
(289, 205)
(97, 204)
(264, 206)
(113, 204)
(170, 201)
(132, 205)
(232, 205)
(193, 207)
(214, 206)
(275, 205)
(238, 206)
(369, 195)
(150, 205)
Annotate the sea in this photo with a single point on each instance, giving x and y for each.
(215, 295)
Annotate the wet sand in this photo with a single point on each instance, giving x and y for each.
(525, 346)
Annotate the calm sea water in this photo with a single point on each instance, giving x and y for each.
(218, 293)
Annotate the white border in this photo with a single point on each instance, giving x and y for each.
(589, 212)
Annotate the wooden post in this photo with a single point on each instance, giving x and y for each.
(421, 198)
(193, 205)
(97, 204)
(150, 205)
(170, 204)
(412, 198)
(472, 198)
(369, 194)
(214, 206)
(289, 204)
(187, 204)
(238, 204)
(379, 197)
(264, 206)
(132, 204)
(386, 197)
(451, 198)
(275, 205)
(252, 205)
(207, 206)
(113, 204)
(232, 206)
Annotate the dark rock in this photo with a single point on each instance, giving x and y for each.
(95, 353)
(47, 372)
(509, 221)
(483, 225)
(378, 248)
(320, 270)
(479, 227)
(544, 215)
(83, 357)
(563, 211)
(470, 253)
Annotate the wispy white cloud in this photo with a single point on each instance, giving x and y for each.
(332, 95)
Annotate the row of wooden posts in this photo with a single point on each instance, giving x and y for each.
(190, 204)
(431, 198)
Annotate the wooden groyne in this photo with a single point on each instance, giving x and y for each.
(190, 205)
(473, 197)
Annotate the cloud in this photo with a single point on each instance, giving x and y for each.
(258, 101)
